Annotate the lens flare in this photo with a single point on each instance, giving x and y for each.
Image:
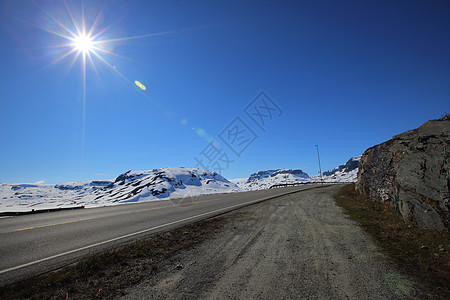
(140, 85)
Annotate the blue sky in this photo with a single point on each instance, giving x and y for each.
(346, 75)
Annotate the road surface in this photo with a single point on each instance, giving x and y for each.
(298, 246)
(33, 244)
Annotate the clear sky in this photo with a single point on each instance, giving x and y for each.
(344, 75)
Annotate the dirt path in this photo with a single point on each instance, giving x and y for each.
(298, 246)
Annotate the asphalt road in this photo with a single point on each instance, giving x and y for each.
(33, 244)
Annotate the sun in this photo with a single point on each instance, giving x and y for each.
(83, 43)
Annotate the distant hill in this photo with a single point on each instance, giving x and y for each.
(344, 173)
(157, 184)
(132, 186)
(265, 179)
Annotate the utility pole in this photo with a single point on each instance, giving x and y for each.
(320, 168)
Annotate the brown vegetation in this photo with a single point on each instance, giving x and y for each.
(420, 253)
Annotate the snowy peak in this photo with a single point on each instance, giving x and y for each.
(350, 165)
(265, 179)
(285, 173)
(134, 186)
(343, 173)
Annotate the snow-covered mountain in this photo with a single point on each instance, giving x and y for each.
(265, 179)
(132, 186)
(164, 183)
(344, 173)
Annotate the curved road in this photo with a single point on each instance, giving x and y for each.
(33, 244)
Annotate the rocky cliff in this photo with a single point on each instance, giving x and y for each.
(411, 171)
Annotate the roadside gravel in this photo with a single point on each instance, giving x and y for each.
(298, 246)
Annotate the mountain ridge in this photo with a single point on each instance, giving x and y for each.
(131, 186)
(266, 178)
(157, 184)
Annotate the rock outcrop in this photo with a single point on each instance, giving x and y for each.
(412, 172)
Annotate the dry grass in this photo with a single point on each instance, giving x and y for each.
(416, 252)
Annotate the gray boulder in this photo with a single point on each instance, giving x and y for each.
(412, 172)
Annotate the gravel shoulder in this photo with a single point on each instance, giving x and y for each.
(298, 246)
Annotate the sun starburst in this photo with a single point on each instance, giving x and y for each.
(85, 43)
